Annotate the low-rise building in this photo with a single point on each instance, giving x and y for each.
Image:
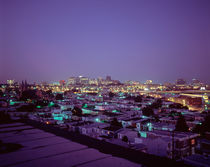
(170, 144)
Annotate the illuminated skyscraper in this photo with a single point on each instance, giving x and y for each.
(10, 82)
(62, 83)
(84, 80)
(149, 82)
(72, 81)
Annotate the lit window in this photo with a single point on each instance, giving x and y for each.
(193, 141)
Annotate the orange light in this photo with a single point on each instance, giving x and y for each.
(193, 141)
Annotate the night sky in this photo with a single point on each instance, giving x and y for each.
(50, 40)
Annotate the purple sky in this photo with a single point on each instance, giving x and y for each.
(49, 40)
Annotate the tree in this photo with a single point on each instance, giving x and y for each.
(177, 106)
(77, 111)
(1, 93)
(174, 113)
(156, 118)
(125, 139)
(41, 103)
(28, 94)
(59, 96)
(163, 110)
(157, 104)
(74, 90)
(159, 101)
(204, 126)
(138, 99)
(93, 94)
(56, 106)
(147, 111)
(181, 124)
(139, 105)
(49, 93)
(185, 107)
(26, 108)
(128, 97)
(111, 94)
(17, 91)
(115, 122)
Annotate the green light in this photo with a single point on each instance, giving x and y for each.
(149, 125)
(58, 118)
(85, 111)
(115, 111)
(206, 108)
(38, 107)
(79, 98)
(143, 134)
(97, 120)
(51, 104)
(11, 103)
(85, 106)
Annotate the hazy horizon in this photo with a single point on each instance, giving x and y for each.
(104, 77)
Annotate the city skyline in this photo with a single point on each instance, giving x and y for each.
(191, 81)
(129, 40)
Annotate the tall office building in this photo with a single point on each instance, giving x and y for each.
(72, 81)
(108, 78)
(62, 83)
(180, 81)
(99, 80)
(195, 82)
(10, 82)
(84, 80)
(149, 82)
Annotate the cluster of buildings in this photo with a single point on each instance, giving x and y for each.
(88, 81)
(194, 95)
(108, 110)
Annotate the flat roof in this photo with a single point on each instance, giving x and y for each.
(41, 148)
(176, 134)
(112, 128)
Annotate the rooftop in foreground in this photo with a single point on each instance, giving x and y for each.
(41, 148)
